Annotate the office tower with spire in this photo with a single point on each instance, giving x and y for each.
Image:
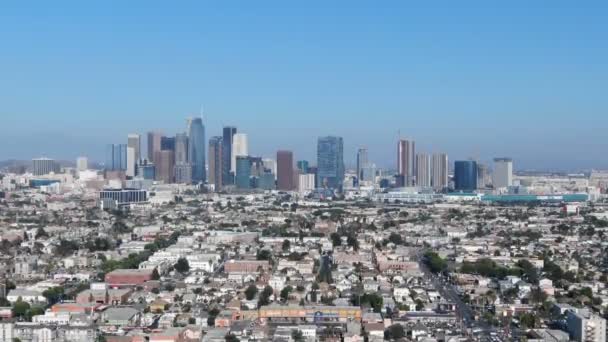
(330, 162)
(216, 170)
(423, 170)
(406, 169)
(227, 139)
(285, 175)
(439, 180)
(196, 149)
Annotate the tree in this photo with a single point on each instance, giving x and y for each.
(395, 238)
(286, 245)
(20, 308)
(297, 335)
(528, 320)
(41, 233)
(313, 292)
(182, 265)
(231, 338)
(251, 291)
(54, 294)
(264, 298)
(335, 239)
(434, 262)
(286, 291)
(264, 254)
(394, 332)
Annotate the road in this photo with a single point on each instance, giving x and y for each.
(484, 331)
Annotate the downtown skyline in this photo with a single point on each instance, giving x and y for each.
(461, 80)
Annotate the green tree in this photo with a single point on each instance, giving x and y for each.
(231, 338)
(264, 254)
(286, 245)
(434, 262)
(182, 265)
(20, 308)
(297, 335)
(251, 291)
(394, 332)
(286, 291)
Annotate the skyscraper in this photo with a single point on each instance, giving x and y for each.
(465, 175)
(82, 163)
(240, 147)
(423, 170)
(153, 144)
(285, 176)
(181, 149)
(439, 181)
(167, 143)
(165, 165)
(406, 151)
(133, 153)
(243, 172)
(216, 170)
(503, 173)
(197, 154)
(134, 141)
(43, 166)
(227, 138)
(330, 162)
(483, 176)
(302, 166)
(116, 157)
(361, 162)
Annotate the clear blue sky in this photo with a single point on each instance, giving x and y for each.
(526, 79)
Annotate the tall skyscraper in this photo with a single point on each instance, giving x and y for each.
(154, 139)
(285, 175)
(330, 162)
(116, 157)
(440, 171)
(503, 173)
(216, 170)
(243, 172)
(465, 175)
(167, 143)
(228, 136)
(130, 172)
(44, 166)
(197, 155)
(423, 170)
(134, 141)
(165, 165)
(406, 151)
(302, 166)
(483, 176)
(240, 147)
(361, 162)
(82, 163)
(181, 149)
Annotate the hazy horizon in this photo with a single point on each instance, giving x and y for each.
(477, 80)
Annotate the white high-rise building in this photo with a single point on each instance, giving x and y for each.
(271, 165)
(82, 163)
(133, 153)
(585, 326)
(131, 162)
(423, 170)
(503, 173)
(439, 180)
(240, 148)
(306, 182)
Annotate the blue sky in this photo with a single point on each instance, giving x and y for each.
(470, 78)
